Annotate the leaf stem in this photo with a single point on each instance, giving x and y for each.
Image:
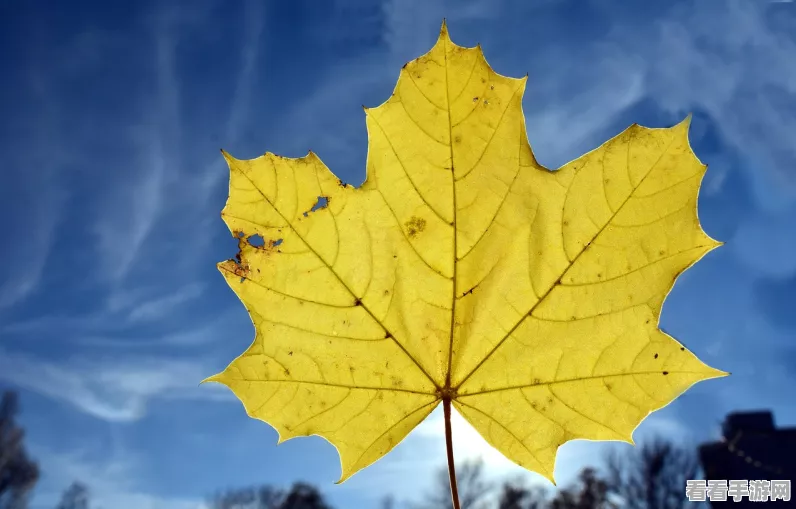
(446, 406)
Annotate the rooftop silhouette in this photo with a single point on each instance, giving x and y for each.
(751, 448)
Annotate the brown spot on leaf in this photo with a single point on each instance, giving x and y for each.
(238, 267)
(414, 226)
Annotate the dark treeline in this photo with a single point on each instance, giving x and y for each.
(651, 476)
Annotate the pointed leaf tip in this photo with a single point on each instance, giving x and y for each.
(227, 156)
(213, 378)
(443, 31)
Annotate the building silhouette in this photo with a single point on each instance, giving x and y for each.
(751, 449)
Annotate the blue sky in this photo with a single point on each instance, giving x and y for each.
(112, 310)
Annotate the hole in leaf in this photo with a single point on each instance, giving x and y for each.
(256, 241)
(321, 203)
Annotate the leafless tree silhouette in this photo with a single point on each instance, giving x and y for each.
(474, 488)
(652, 475)
(18, 473)
(76, 496)
(516, 494)
(589, 492)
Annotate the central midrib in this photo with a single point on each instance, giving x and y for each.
(446, 388)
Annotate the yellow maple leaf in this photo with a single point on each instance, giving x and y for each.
(463, 271)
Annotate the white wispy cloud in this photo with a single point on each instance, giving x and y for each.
(105, 329)
(162, 306)
(111, 480)
(115, 389)
(254, 19)
(28, 254)
(254, 14)
(36, 197)
(129, 212)
(127, 217)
